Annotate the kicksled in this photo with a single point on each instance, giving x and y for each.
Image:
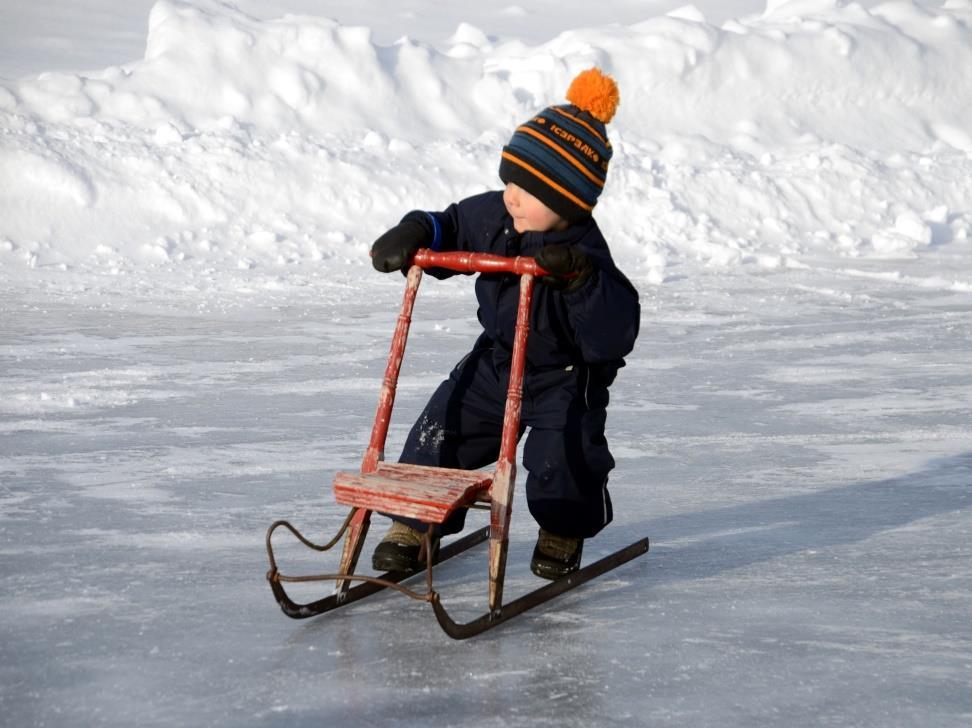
(432, 494)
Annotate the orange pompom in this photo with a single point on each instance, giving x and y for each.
(596, 93)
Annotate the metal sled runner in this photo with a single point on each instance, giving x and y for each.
(432, 494)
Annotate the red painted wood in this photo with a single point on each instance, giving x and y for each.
(415, 491)
(501, 491)
(386, 399)
(425, 258)
(353, 543)
(433, 494)
(514, 392)
(477, 262)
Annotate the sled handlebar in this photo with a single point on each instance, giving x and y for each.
(477, 262)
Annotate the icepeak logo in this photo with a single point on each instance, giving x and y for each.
(578, 144)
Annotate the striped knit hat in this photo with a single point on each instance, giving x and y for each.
(561, 155)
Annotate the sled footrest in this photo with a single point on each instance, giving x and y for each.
(422, 492)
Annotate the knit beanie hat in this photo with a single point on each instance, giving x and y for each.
(561, 155)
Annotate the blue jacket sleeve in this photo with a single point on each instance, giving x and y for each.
(442, 227)
(464, 226)
(443, 231)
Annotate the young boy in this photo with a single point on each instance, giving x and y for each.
(584, 320)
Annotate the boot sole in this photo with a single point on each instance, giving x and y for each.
(390, 563)
(552, 569)
(385, 561)
(550, 572)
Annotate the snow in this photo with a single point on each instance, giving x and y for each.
(192, 338)
(296, 140)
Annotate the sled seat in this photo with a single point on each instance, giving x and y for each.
(426, 493)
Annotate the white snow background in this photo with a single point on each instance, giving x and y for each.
(192, 340)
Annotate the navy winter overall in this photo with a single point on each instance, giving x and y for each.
(576, 344)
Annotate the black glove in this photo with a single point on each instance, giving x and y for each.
(394, 250)
(569, 267)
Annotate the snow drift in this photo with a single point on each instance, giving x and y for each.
(819, 129)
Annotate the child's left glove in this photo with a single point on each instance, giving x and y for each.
(569, 267)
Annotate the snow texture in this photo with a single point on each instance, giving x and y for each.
(192, 341)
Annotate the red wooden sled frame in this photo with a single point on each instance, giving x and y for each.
(432, 494)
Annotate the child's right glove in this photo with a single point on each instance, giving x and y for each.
(561, 261)
(394, 249)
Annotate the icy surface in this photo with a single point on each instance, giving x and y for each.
(191, 343)
(797, 447)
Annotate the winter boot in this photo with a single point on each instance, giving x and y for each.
(556, 556)
(401, 549)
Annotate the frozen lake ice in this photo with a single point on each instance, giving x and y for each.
(797, 446)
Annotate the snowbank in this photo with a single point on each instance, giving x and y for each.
(819, 129)
(885, 79)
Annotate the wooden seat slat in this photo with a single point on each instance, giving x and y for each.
(426, 493)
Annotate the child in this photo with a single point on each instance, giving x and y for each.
(583, 321)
